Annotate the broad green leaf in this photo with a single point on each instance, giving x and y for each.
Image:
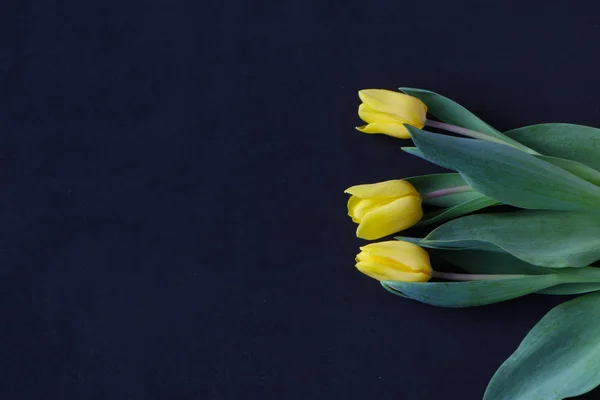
(571, 288)
(559, 357)
(467, 207)
(578, 169)
(472, 293)
(554, 239)
(451, 112)
(432, 183)
(508, 175)
(572, 142)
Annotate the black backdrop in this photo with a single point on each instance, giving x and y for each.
(171, 191)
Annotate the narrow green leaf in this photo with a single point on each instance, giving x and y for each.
(450, 244)
(571, 288)
(451, 112)
(464, 208)
(487, 262)
(508, 175)
(432, 183)
(472, 293)
(559, 357)
(568, 141)
(576, 168)
(554, 239)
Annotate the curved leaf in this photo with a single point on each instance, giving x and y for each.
(573, 142)
(571, 288)
(451, 112)
(559, 357)
(554, 239)
(450, 244)
(576, 168)
(508, 175)
(472, 293)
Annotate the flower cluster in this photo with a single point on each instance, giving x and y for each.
(545, 242)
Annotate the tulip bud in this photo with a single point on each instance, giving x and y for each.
(394, 261)
(383, 208)
(386, 112)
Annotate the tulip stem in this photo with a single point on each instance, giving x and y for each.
(476, 135)
(451, 276)
(446, 192)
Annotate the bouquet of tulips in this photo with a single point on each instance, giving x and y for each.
(544, 240)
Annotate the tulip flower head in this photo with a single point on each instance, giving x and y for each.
(386, 112)
(394, 261)
(383, 208)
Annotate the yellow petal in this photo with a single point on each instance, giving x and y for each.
(407, 108)
(353, 202)
(391, 188)
(390, 218)
(407, 254)
(369, 115)
(367, 205)
(395, 130)
(364, 256)
(382, 273)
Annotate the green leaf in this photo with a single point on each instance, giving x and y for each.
(451, 245)
(451, 112)
(508, 175)
(472, 293)
(432, 183)
(487, 262)
(559, 357)
(418, 153)
(578, 169)
(571, 288)
(555, 239)
(572, 142)
(464, 208)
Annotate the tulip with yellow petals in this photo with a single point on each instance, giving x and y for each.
(394, 261)
(386, 112)
(383, 208)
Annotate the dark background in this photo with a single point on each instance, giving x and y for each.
(171, 191)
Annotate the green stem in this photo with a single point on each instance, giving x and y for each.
(447, 192)
(476, 135)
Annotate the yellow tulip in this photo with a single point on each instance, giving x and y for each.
(383, 208)
(386, 112)
(394, 261)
